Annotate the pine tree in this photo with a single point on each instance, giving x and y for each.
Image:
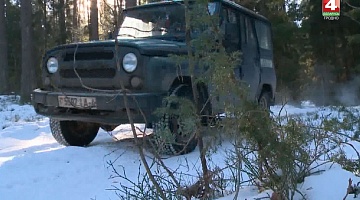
(4, 71)
(27, 60)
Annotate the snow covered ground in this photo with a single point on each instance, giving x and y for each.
(34, 166)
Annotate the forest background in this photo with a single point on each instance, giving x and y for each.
(315, 59)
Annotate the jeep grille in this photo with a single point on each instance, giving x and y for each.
(90, 62)
(102, 55)
(89, 73)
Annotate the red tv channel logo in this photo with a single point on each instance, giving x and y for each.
(331, 8)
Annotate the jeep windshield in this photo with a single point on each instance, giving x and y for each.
(161, 21)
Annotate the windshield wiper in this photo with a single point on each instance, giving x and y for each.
(127, 35)
(177, 38)
(137, 29)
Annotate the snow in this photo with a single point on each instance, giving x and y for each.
(34, 166)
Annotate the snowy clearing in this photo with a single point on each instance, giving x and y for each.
(34, 166)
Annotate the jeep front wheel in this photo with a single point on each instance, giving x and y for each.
(180, 121)
(73, 133)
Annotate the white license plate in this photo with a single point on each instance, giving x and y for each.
(77, 102)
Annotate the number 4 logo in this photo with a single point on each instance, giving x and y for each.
(331, 7)
(331, 4)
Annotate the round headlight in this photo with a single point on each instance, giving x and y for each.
(129, 62)
(52, 65)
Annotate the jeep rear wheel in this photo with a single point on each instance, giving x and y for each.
(73, 133)
(182, 129)
(264, 100)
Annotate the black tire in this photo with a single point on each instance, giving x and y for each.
(264, 100)
(183, 141)
(73, 133)
(205, 106)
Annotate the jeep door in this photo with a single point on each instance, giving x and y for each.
(230, 25)
(240, 36)
(268, 75)
(250, 66)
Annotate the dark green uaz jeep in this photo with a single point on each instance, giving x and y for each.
(81, 89)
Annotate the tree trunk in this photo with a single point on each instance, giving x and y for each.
(54, 13)
(119, 4)
(94, 21)
(45, 29)
(68, 16)
(116, 23)
(62, 24)
(3, 51)
(130, 3)
(75, 22)
(27, 49)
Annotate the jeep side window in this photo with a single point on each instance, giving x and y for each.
(223, 20)
(242, 29)
(250, 37)
(230, 25)
(235, 28)
(263, 34)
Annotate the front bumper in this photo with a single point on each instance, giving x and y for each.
(110, 107)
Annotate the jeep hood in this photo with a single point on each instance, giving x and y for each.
(152, 47)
